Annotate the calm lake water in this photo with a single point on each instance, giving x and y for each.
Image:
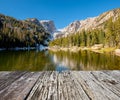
(59, 61)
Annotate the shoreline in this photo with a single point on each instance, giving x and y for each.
(41, 48)
(76, 49)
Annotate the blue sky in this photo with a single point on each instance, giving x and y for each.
(62, 12)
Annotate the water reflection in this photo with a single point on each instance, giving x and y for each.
(59, 61)
(86, 60)
(25, 60)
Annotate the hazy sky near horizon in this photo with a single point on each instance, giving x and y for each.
(62, 12)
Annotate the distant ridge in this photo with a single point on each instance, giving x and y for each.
(89, 23)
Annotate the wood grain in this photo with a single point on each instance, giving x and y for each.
(53, 85)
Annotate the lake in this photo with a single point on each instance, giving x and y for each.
(57, 61)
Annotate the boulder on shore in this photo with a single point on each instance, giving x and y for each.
(97, 46)
(117, 52)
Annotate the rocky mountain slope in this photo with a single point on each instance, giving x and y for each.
(90, 23)
(48, 25)
(35, 21)
(16, 33)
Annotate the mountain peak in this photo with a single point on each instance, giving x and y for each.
(46, 21)
(72, 27)
(90, 23)
(48, 25)
(34, 20)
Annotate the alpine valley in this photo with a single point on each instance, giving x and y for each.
(97, 33)
(103, 29)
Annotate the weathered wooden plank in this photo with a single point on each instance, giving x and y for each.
(60, 89)
(52, 86)
(108, 81)
(63, 93)
(8, 78)
(3, 74)
(73, 88)
(33, 92)
(99, 90)
(40, 89)
(78, 87)
(66, 88)
(19, 89)
(70, 88)
(89, 92)
(67, 85)
(115, 74)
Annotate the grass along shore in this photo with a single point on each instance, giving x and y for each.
(96, 48)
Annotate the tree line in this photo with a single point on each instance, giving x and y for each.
(108, 36)
(16, 33)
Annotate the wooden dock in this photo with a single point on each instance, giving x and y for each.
(69, 85)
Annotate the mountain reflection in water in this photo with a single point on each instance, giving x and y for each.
(86, 60)
(57, 61)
